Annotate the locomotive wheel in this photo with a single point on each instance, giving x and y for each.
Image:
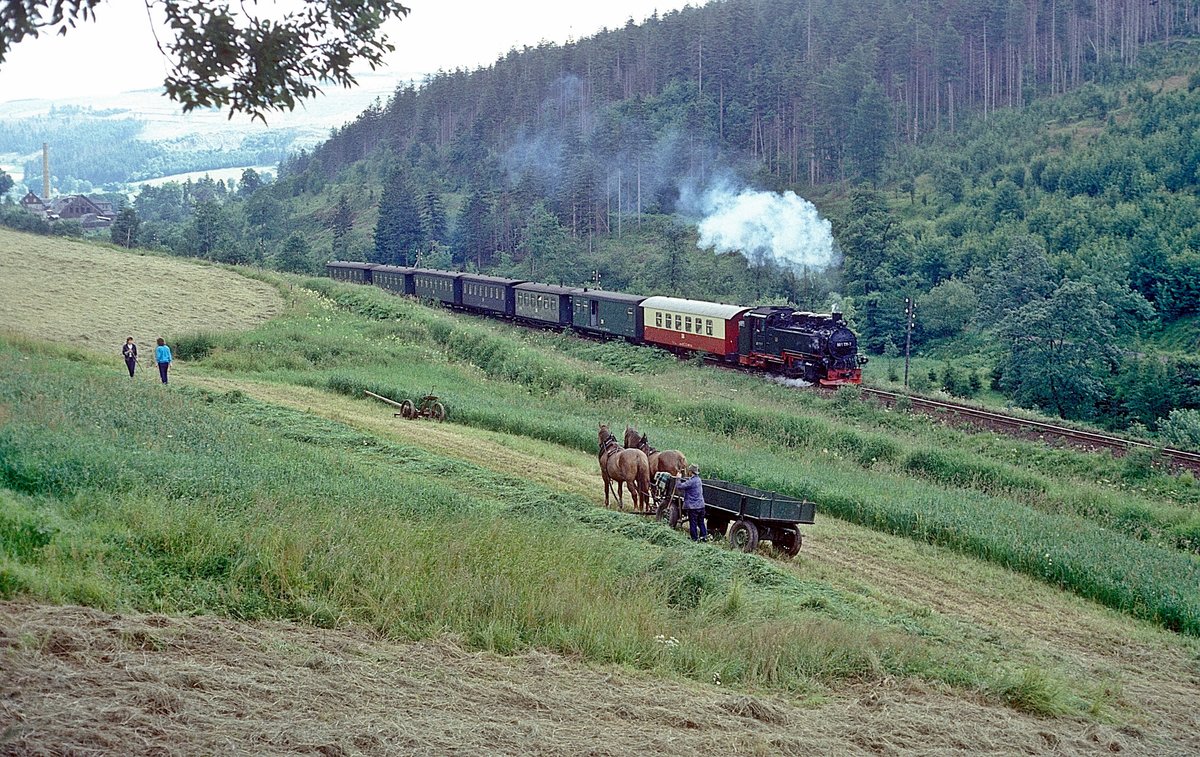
(743, 535)
(407, 409)
(788, 542)
(438, 411)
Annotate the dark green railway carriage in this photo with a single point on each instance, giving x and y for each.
(490, 294)
(342, 270)
(442, 286)
(394, 278)
(609, 313)
(544, 303)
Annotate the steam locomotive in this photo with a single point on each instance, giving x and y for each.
(815, 347)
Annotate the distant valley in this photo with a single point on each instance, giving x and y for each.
(156, 142)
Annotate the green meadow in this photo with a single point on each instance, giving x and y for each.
(204, 497)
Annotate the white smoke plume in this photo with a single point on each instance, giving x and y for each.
(783, 228)
(792, 382)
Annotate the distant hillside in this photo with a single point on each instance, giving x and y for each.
(107, 142)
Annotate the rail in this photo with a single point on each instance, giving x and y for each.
(1181, 457)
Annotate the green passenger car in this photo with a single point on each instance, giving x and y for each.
(544, 303)
(608, 313)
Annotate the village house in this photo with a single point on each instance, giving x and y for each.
(91, 214)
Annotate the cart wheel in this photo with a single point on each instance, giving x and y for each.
(438, 411)
(789, 541)
(673, 514)
(407, 409)
(660, 509)
(743, 535)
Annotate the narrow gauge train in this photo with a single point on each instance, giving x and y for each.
(813, 346)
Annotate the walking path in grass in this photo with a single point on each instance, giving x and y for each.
(76, 292)
(1135, 673)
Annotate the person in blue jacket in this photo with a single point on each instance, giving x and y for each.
(693, 502)
(162, 354)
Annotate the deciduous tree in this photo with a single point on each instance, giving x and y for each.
(294, 256)
(1059, 349)
(224, 55)
(125, 227)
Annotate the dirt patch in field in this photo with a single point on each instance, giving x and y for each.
(80, 681)
(70, 291)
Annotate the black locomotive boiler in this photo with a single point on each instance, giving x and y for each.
(816, 347)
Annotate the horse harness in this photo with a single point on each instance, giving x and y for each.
(611, 445)
(644, 446)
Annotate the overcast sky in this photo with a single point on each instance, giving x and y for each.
(117, 52)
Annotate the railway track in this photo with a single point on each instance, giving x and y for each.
(1011, 424)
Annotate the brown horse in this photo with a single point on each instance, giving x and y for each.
(625, 466)
(670, 460)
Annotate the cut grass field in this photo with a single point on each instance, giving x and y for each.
(483, 535)
(92, 297)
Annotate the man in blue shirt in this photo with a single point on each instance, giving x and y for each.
(162, 354)
(693, 502)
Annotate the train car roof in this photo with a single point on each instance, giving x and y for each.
(604, 294)
(394, 269)
(531, 286)
(436, 272)
(491, 279)
(350, 264)
(694, 307)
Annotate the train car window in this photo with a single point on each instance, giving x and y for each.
(708, 327)
(687, 323)
(658, 319)
(678, 323)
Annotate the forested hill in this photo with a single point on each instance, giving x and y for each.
(808, 92)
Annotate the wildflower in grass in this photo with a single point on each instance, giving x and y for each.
(670, 642)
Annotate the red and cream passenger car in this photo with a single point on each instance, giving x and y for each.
(692, 324)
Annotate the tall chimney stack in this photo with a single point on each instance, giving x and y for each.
(45, 171)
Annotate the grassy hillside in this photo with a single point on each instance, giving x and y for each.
(261, 486)
(78, 293)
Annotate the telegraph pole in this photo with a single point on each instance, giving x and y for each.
(910, 319)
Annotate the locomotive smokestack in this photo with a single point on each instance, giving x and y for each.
(45, 170)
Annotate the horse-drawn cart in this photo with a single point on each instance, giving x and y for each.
(745, 514)
(427, 407)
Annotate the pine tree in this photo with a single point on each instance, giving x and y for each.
(399, 234)
(342, 224)
(472, 233)
(433, 216)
